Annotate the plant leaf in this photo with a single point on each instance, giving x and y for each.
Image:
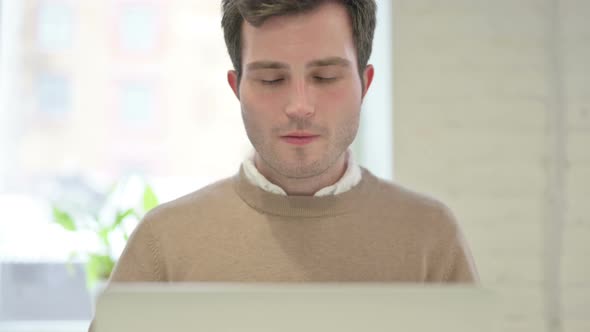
(120, 217)
(150, 200)
(64, 219)
(103, 234)
(98, 267)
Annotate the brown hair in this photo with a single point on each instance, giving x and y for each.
(255, 12)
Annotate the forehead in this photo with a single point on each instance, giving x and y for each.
(296, 39)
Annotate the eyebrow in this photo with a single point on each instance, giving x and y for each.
(331, 61)
(266, 65)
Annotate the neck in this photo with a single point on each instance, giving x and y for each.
(304, 186)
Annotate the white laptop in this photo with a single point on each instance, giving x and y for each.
(222, 307)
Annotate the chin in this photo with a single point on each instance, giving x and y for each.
(303, 170)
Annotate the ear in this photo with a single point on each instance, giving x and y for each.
(232, 80)
(368, 78)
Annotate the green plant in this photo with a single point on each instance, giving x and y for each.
(104, 227)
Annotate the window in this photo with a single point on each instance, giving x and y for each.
(93, 92)
(53, 94)
(54, 25)
(139, 26)
(137, 104)
(96, 91)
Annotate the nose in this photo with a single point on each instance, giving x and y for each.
(300, 102)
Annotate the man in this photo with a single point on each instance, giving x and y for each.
(300, 209)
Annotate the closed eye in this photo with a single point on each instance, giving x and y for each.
(272, 82)
(324, 79)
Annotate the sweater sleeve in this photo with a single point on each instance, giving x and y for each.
(461, 265)
(141, 258)
(452, 261)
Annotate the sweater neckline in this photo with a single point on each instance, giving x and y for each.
(352, 176)
(302, 206)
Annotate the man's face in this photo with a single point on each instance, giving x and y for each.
(300, 91)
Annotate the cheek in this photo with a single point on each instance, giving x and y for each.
(260, 102)
(260, 114)
(341, 100)
(348, 95)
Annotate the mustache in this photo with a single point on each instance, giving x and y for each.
(300, 125)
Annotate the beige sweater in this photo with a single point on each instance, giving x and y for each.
(234, 231)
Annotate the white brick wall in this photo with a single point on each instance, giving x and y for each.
(575, 269)
(473, 85)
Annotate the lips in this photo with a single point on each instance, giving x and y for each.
(299, 138)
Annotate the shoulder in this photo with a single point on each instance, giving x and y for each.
(193, 206)
(424, 224)
(411, 208)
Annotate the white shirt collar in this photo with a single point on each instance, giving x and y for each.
(352, 176)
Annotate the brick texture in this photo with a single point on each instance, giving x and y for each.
(473, 85)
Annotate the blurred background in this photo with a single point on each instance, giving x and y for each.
(109, 107)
